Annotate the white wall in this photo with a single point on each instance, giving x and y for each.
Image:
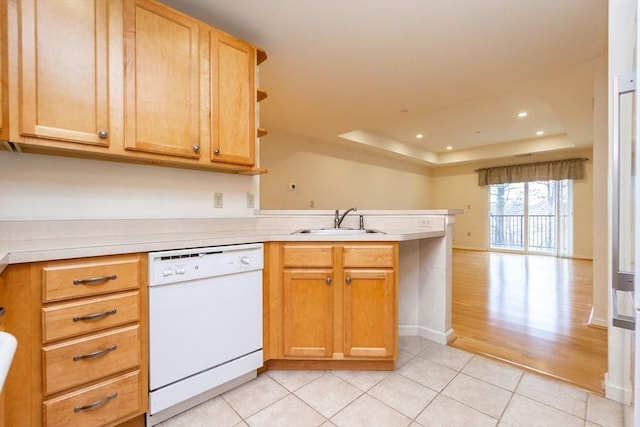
(456, 187)
(38, 187)
(334, 176)
(599, 312)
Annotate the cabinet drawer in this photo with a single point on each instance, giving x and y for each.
(89, 315)
(80, 361)
(103, 403)
(90, 278)
(307, 256)
(368, 256)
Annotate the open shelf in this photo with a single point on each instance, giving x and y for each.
(261, 56)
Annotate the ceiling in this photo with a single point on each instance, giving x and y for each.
(380, 72)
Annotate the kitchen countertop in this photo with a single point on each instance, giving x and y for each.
(47, 240)
(77, 247)
(33, 241)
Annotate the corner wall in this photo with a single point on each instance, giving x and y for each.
(330, 175)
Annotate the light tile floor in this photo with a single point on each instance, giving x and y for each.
(433, 385)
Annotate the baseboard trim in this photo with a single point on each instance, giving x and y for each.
(617, 392)
(430, 334)
(436, 336)
(596, 322)
(468, 248)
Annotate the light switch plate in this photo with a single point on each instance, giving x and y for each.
(218, 201)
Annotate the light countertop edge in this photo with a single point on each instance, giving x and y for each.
(53, 249)
(368, 212)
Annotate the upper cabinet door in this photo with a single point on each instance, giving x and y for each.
(233, 100)
(161, 80)
(64, 84)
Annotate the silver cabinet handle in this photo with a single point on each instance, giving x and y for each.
(95, 316)
(216, 151)
(327, 280)
(95, 354)
(103, 134)
(196, 148)
(94, 280)
(95, 405)
(617, 319)
(348, 280)
(622, 279)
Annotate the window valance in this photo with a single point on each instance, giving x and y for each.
(541, 171)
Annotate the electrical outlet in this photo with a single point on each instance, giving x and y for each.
(251, 200)
(425, 222)
(218, 201)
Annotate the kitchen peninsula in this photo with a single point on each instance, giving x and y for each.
(34, 251)
(425, 238)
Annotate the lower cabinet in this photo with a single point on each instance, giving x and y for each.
(370, 315)
(81, 327)
(307, 313)
(331, 302)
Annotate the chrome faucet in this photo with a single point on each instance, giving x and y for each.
(338, 219)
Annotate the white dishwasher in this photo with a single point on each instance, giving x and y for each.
(205, 324)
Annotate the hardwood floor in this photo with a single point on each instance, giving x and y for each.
(531, 311)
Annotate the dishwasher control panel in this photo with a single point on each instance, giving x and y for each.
(190, 264)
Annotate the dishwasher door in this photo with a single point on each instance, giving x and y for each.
(202, 324)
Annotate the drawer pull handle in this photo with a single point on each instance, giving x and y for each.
(94, 280)
(96, 354)
(95, 405)
(95, 316)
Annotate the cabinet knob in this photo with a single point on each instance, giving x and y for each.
(348, 280)
(327, 280)
(103, 134)
(196, 148)
(216, 151)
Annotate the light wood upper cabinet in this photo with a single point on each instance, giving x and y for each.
(126, 80)
(233, 99)
(162, 80)
(64, 58)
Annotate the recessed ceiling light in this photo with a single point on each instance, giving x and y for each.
(540, 132)
(449, 147)
(419, 136)
(522, 114)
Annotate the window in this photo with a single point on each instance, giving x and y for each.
(532, 217)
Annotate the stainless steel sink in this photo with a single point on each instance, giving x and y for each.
(336, 231)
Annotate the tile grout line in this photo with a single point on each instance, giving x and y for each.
(412, 357)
